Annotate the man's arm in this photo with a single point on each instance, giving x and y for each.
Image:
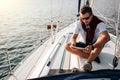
(98, 45)
(103, 38)
(73, 39)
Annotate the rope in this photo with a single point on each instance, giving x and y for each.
(92, 2)
(106, 19)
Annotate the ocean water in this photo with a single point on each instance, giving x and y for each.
(23, 24)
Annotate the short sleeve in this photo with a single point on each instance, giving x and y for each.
(76, 28)
(102, 27)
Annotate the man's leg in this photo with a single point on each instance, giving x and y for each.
(94, 54)
(93, 57)
(78, 52)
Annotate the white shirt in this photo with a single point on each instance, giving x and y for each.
(79, 30)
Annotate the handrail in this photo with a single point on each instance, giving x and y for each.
(3, 66)
(8, 61)
(52, 56)
(63, 56)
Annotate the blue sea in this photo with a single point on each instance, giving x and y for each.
(23, 24)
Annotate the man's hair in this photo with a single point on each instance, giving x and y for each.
(86, 9)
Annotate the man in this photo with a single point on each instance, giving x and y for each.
(93, 36)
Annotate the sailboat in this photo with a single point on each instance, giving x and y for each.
(52, 62)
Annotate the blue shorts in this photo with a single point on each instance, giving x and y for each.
(81, 44)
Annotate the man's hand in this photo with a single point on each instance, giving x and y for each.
(73, 39)
(73, 43)
(88, 49)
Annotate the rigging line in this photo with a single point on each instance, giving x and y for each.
(99, 12)
(101, 15)
(52, 18)
(104, 17)
(92, 3)
(117, 24)
(60, 10)
(51, 13)
(113, 20)
(61, 7)
(117, 32)
(73, 10)
(114, 8)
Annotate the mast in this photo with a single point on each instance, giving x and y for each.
(87, 3)
(79, 4)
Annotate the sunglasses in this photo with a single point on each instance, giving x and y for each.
(86, 18)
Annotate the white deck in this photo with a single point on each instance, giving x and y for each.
(35, 65)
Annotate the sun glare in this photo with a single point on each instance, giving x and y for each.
(4, 4)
